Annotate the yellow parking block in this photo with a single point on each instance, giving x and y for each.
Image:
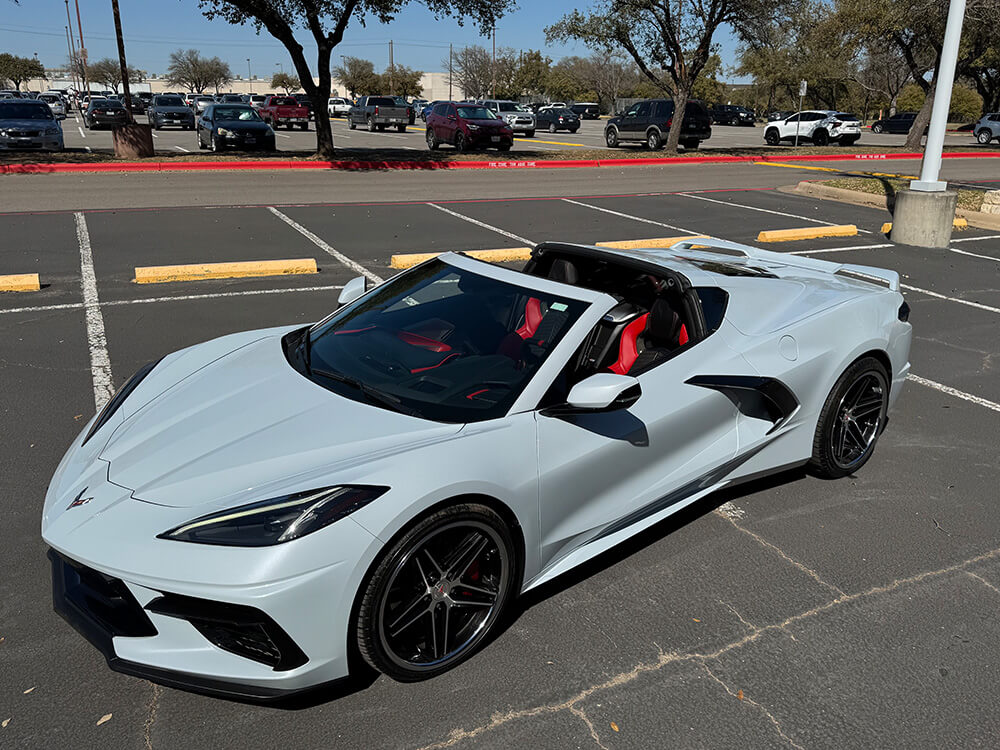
(807, 233)
(650, 243)
(958, 224)
(20, 282)
(501, 255)
(201, 271)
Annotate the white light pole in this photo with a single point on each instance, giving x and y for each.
(931, 166)
(924, 213)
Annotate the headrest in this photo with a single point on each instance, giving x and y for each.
(563, 271)
(663, 324)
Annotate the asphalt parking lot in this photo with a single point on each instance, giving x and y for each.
(590, 135)
(789, 613)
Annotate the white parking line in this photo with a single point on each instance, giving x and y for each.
(353, 265)
(100, 362)
(955, 392)
(482, 224)
(181, 148)
(929, 293)
(840, 249)
(976, 239)
(634, 218)
(974, 255)
(81, 131)
(282, 135)
(177, 298)
(765, 210)
(154, 135)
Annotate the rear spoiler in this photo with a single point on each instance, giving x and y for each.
(712, 247)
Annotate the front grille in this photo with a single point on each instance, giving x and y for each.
(103, 601)
(24, 133)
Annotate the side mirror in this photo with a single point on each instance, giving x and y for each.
(352, 290)
(602, 392)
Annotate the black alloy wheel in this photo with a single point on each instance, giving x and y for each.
(771, 137)
(438, 593)
(821, 138)
(877, 127)
(852, 419)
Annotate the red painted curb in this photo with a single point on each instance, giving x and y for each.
(202, 166)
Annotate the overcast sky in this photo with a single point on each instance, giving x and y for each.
(154, 28)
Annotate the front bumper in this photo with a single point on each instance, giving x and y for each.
(161, 120)
(33, 143)
(485, 140)
(522, 127)
(257, 143)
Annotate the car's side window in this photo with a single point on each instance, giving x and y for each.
(643, 110)
(793, 119)
(633, 110)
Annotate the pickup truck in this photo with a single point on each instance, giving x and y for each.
(284, 110)
(377, 112)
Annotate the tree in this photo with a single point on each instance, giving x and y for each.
(478, 77)
(966, 105)
(108, 72)
(670, 40)
(399, 80)
(285, 81)
(189, 69)
(531, 73)
(358, 76)
(325, 22)
(19, 70)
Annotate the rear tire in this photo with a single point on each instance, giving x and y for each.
(529, 133)
(653, 142)
(371, 125)
(690, 144)
(821, 138)
(401, 128)
(877, 128)
(351, 124)
(984, 136)
(458, 605)
(304, 126)
(852, 419)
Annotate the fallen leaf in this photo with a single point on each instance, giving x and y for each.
(4, 723)
(78, 416)
(696, 619)
(614, 726)
(739, 695)
(106, 717)
(27, 691)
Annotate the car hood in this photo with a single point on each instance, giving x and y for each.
(171, 110)
(28, 124)
(486, 123)
(247, 426)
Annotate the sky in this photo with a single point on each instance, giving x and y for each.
(155, 28)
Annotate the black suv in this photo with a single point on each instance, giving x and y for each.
(649, 122)
(730, 114)
(901, 122)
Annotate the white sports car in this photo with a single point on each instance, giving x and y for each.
(247, 515)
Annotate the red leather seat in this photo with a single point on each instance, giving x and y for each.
(649, 339)
(628, 346)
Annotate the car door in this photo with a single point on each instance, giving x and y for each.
(635, 124)
(449, 123)
(787, 126)
(601, 473)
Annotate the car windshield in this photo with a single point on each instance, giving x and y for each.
(437, 342)
(234, 114)
(168, 101)
(284, 101)
(476, 113)
(25, 111)
(507, 107)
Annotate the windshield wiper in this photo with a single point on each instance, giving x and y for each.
(373, 394)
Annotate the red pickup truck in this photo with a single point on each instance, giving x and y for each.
(284, 110)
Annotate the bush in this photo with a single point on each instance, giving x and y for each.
(966, 104)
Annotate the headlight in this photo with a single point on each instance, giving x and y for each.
(473, 127)
(277, 520)
(223, 131)
(3, 133)
(119, 398)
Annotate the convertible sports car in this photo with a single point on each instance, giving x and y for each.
(247, 515)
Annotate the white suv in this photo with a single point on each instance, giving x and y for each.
(820, 126)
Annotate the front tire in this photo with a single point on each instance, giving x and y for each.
(852, 419)
(438, 593)
(771, 137)
(529, 133)
(984, 136)
(611, 137)
(432, 142)
(553, 128)
(877, 128)
(351, 125)
(401, 128)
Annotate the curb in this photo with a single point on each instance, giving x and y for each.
(360, 166)
(233, 270)
(20, 282)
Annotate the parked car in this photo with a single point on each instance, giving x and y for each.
(650, 121)
(338, 106)
(284, 110)
(987, 128)
(899, 123)
(55, 103)
(418, 105)
(104, 113)
(170, 110)
(387, 482)
(257, 100)
(411, 114)
(378, 112)
(27, 124)
(467, 126)
(586, 110)
(730, 114)
(138, 106)
(230, 99)
(189, 98)
(520, 119)
(145, 96)
(426, 109)
(226, 126)
(557, 118)
(818, 126)
(202, 102)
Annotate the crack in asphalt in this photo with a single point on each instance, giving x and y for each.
(147, 727)
(983, 581)
(672, 657)
(590, 726)
(771, 546)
